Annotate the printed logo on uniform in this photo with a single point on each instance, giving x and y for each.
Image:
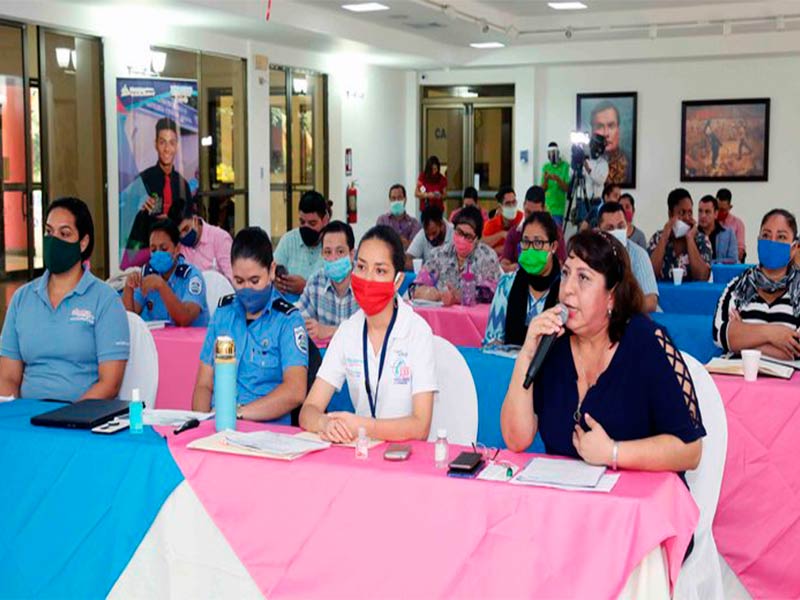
(195, 286)
(401, 371)
(82, 315)
(353, 366)
(300, 339)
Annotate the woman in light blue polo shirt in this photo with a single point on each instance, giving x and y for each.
(65, 335)
(167, 288)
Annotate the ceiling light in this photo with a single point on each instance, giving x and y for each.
(487, 45)
(567, 5)
(365, 7)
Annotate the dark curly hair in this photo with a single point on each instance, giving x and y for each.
(604, 254)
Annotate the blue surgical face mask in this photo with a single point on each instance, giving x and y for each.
(338, 269)
(773, 255)
(161, 261)
(397, 207)
(254, 301)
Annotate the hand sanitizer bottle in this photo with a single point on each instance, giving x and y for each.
(362, 444)
(440, 450)
(135, 412)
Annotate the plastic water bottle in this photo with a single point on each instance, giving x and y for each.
(441, 451)
(469, 288)
(362, 444)
(225, 384)
(135, 411)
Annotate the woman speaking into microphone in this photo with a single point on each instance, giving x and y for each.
(384, 352)
(613, 389)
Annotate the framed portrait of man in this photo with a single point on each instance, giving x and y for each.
(612, 115)
(725, 140)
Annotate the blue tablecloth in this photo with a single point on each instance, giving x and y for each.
(693, 297)
(723, 274)
(691, 333)
(74, 505)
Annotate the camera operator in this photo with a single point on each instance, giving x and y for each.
(595, 172)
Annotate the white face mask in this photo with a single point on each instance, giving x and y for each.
(509, 212)
(621, 235)
(680, 229)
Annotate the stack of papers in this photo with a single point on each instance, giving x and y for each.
(310, 435)
(262, 444)
(766, 366)
(172, 418)
(566, 474)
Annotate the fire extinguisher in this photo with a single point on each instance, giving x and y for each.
(352, 203)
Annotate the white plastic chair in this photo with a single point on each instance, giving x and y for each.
(217, 286)
(455, 407)
(700, 577)
(142, 368)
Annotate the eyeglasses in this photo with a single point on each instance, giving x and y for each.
(535, 243)
(467, 236)
(488, 454)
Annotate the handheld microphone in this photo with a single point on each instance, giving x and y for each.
(544, 347)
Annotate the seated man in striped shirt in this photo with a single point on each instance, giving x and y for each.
(327, 299)
(760, 309)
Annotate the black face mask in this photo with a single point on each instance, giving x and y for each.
(437, 241)
(541, 283)
(310, 236)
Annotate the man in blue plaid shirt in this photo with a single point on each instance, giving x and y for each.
(327, 299)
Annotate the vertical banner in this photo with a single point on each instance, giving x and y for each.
(158, 158)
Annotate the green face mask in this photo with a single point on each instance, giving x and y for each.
(533, 260)
(60, 256)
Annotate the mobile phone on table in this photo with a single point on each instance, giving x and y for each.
(113, 426)
(397, 452)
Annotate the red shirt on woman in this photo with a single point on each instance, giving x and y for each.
(437, 183)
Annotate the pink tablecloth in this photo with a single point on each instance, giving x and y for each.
(460, 325)
(178, 361)
(328, 526)
(757, 524)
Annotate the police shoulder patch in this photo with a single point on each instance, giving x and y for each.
(195, 285)
(301, 339)
(226, 300)
(284, 306)
(182, 270)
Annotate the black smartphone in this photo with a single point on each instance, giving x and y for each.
(466, 461)
(280, 271)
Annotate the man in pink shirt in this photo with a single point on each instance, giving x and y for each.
(727, 220)
(205, 246)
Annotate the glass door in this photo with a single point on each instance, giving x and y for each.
(298, 143)
(16, 228)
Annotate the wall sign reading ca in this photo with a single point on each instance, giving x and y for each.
(158, 159)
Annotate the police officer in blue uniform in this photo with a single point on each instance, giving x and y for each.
(269, 333)
(168, 288)
(65, 335)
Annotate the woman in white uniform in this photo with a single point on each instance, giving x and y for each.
(384, 351)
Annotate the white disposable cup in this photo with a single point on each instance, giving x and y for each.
(677, 276)
(417, 262)
(750, 360)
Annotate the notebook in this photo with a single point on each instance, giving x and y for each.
(733, 366)
(85, 414)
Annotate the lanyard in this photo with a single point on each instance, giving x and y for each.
(373, 404)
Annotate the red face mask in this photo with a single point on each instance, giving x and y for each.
(628, 215)
(372, 296)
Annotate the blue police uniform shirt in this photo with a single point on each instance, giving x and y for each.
(188, 285)
(264, 349)
(62, 347)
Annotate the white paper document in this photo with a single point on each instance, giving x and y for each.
(156, 324)
(560, 472)
(605, 485)
(279, 444)
(427, 303)
(170, 417)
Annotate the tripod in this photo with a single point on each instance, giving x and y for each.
(576, 194)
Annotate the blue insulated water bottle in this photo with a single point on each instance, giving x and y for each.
(225, 384)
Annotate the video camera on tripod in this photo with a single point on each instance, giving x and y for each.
(576, 194)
